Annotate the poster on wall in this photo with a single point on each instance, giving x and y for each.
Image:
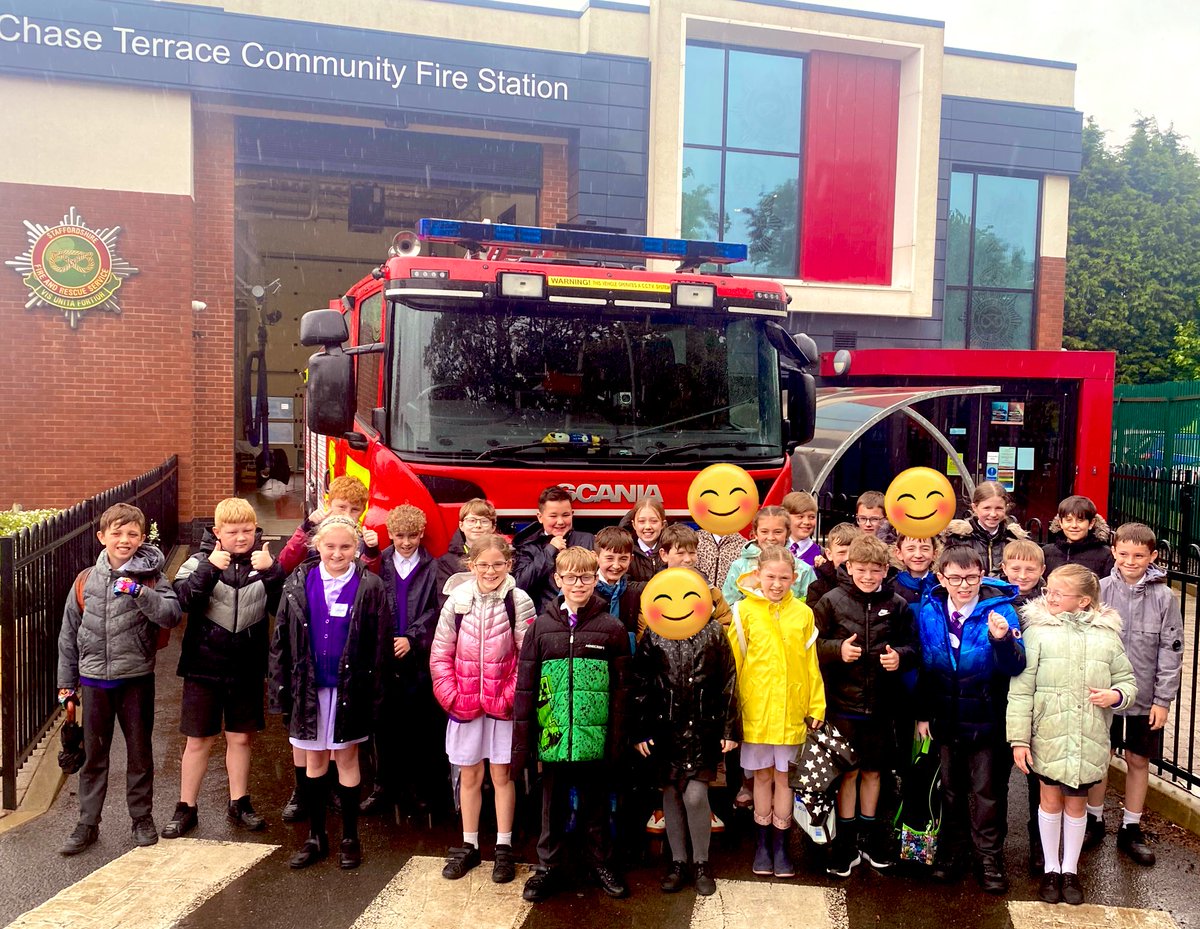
(1016, 412)
(999, 412)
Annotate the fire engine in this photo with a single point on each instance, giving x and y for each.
(551, 356)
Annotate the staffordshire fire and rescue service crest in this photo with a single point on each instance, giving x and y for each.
(72, 268)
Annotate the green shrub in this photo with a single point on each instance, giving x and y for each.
(13, 521)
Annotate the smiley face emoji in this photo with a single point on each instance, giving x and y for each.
(723, 499)
(919, 503)
(677, 603)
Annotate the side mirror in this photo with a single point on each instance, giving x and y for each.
(330, 402)
(800, 348)
(323, 327)
(801, 409)
(356, 440)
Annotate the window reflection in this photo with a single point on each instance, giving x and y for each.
(703, 95)
(991, 248)
(764, 102)
(761, 196)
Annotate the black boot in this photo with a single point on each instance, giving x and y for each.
(351, 852)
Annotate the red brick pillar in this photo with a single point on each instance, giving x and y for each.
(212, 329)
(554, 184)
(1051, 297)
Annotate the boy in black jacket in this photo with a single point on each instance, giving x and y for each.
(540, 543)
(228, 590)
(1079, 535)
(409, 575)
(837, 544)
(568, 713)
(865, 641)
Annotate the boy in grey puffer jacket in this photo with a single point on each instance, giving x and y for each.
(107, 650)
(1153, 637)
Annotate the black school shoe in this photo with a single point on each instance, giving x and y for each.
(350, 856)
(1132, 841)
(293, 810)
(706, 885)
(1050, 889)
(610, 882)
(505, 868)
(1072, 891)
(315, 848)
(242, 814)
(675, 879)
(1093, 832)
(183, 821)
(144, 833)
(542, 885)
(81, 838)
(991, 877)
(460, 861)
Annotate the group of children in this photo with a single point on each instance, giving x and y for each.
(539, 657)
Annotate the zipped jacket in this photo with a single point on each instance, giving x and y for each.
(1152, 631)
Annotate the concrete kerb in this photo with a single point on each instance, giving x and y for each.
(1168, 800)
(46, 778)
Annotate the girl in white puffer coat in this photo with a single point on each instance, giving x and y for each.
(473, 662)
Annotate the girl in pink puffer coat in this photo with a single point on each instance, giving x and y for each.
(473, 662)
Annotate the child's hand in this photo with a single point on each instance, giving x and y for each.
(1022, 758)
(317, 515)
(218, 557)
(1098, 696)
(126, 585)
(370, 538)
(727, 745)
(997, 625)
(816, 724)
(923, 730)
(401, 646)
(261, 560)
(557, 542)
(889, 659)
(818, 561)
(1158, 717)
(850, 651)
(65, 694)
(644, 747)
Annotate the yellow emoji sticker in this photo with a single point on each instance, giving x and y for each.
(723, 499)
(677, 603)
(919, 503)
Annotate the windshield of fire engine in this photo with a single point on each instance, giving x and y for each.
(570, 383)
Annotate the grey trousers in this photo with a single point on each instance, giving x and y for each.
(130, 703)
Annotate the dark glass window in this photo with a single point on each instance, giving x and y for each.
(991, 254)
(370, 329)
(741, 156)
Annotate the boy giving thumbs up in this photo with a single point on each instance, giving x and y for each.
(227, 590)
(865, 641)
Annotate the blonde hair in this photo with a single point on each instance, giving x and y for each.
(1082, 579)
(799, 502)
(233, 510)
(404, 519)
(867, 549)
(770, 512)
(1023, 550)
(490, 543)
(776, 553)
(577, 560)
(350, 489)
(842, 534)
(336, 521)
(477, 506)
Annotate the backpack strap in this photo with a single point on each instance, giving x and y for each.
(80, 580)
(510, 608)
(737, 627)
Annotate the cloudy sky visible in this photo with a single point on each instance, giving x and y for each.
(1133, 56)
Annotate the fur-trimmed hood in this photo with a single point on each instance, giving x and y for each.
(1037, 613)
(958, 529)
(1099, 529)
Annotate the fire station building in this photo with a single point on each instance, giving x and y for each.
(208, 171)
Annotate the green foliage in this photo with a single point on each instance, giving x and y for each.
(1133, 262)
(13, 521)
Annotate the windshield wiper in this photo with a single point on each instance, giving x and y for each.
(700, 446)
(503, 450)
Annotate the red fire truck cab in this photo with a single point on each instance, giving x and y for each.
(551, 356)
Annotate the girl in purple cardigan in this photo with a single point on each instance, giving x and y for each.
(473, 662)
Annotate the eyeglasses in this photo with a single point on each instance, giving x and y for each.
(570, 580)
(476, 521)
(1056, 595)
(492, 566)
(961, 580)
(868, 520)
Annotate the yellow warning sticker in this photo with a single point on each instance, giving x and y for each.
(596, 283)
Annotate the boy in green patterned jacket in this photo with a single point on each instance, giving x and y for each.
(570, 701)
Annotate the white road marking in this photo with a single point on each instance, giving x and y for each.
(780, 905)
(419, 896)
(1036, 915)
(147, 888)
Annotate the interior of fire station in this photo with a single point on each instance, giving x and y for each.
(316, 207)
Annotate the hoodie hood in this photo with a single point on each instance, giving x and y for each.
(964, 528)
(1154, 575)
(148, 559)
(1100, 531)
(756, 594)
(1037, 613)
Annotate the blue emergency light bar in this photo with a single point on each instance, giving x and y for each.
(689, 252)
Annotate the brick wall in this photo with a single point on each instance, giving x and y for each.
(83, 409)
(1051, 297)
(554, 184)
(212, 282)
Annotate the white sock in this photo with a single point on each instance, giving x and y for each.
(471, 838)
(1131, 819)
(1097, 811)
(504, 838)
(1049, 826)
(1073, 832)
